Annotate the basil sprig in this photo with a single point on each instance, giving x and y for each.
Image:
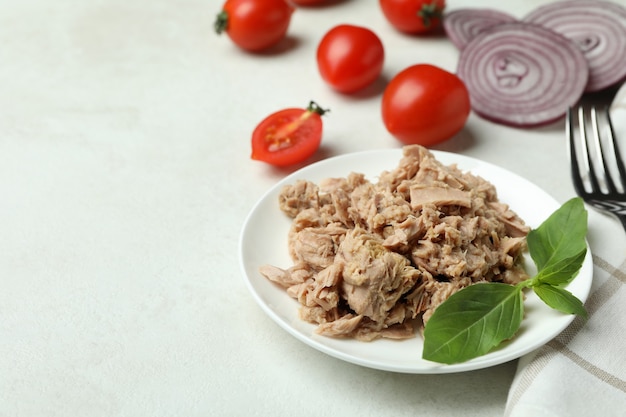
(476, 319)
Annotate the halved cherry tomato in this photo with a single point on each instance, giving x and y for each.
(425, 105)
(413, 16)
(254, 25)
(288, 136)
(350, 58)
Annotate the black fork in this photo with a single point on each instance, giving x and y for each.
(597, 167)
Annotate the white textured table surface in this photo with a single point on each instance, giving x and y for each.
(124, 181)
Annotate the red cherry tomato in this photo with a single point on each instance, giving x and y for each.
(309, 2)
(254, 25)
(413, 16)
(350, 58)
(288, 136)
(425, 105)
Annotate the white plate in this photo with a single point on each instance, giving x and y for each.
(264, 241)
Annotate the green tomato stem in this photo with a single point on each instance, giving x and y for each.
(221, 22)
(428, 12)
(313, 107)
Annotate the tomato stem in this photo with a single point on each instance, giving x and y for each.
(431, 11)
(313, 107)
(221, 22)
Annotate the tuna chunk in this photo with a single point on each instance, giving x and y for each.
(297, 197)
(374, 278)
(439, 196)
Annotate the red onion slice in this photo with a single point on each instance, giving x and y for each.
(462, 25)
(598, 27)
(521, 74)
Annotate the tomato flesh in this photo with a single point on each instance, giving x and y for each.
(255, 25)
(288, 136)
(413, 16)
(425, 105)
(350, 58)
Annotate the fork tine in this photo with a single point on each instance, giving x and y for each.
(610, 184)
(587, 158)
(575, 167)
(618, 155)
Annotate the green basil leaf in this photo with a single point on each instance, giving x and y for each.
(473, 321)
(561, 236)
(560, 299)
(563, 271)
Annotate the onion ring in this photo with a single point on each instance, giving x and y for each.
(462, 25)
(522, 75)
(598, 27)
